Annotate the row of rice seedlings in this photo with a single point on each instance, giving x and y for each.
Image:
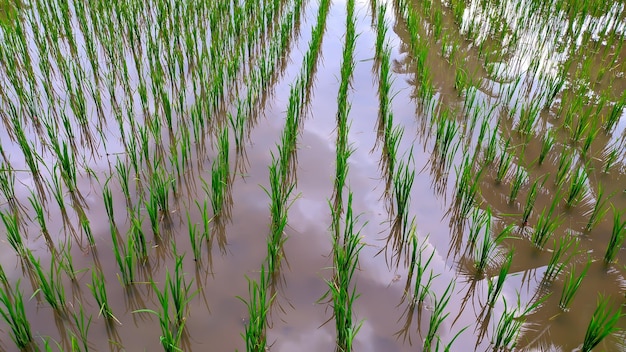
(342, 290)
(618, 234)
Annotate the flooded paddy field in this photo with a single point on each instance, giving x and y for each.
(312, 175)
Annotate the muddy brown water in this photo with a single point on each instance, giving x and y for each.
(298, 319)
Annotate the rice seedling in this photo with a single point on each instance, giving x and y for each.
(546, 225)
(602, 324)
(417, 268)
(495, 288)
(171, 331)
(83, 329)
(504, 163)
(180, 292)
(577, 188)
(571, 285)
(220, 173)
(51, 285)
(610, 160)
(516, 184)
(99, 292)
(558, 260)
(14, 315)
(617, 237)
(565, 164)
(258, 307)
(484, 253)
(547, 143)
(437, 316)
(599, 209)
(530, 201)
(11, 223)
(510, 324)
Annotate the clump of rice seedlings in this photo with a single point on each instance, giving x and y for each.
(599, 209)
(171, 329)
(85, 225)
(615, 114)
(546, 225)
(82, 326)
(558, 261)
(510, 325)
(565, 163)
(516, 184)
(67, 262)
(610, 160)
(484, 253)
(14, 315)
(617, 237)
(194, 239)
(135, 232)
(437, 316)
(220, 174)
(342, 289)
(467, 186)
(418, 268)
(602, 324)
(577, 188)
(258, 308)
(99, 292)
(50, 285)
(402, 184)
(547, 142)
(504, 163)
(570, 286)
(180, 292)
(495, 288)
(11, 223)
(530, 202)
(447, 129)
(381, 29)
